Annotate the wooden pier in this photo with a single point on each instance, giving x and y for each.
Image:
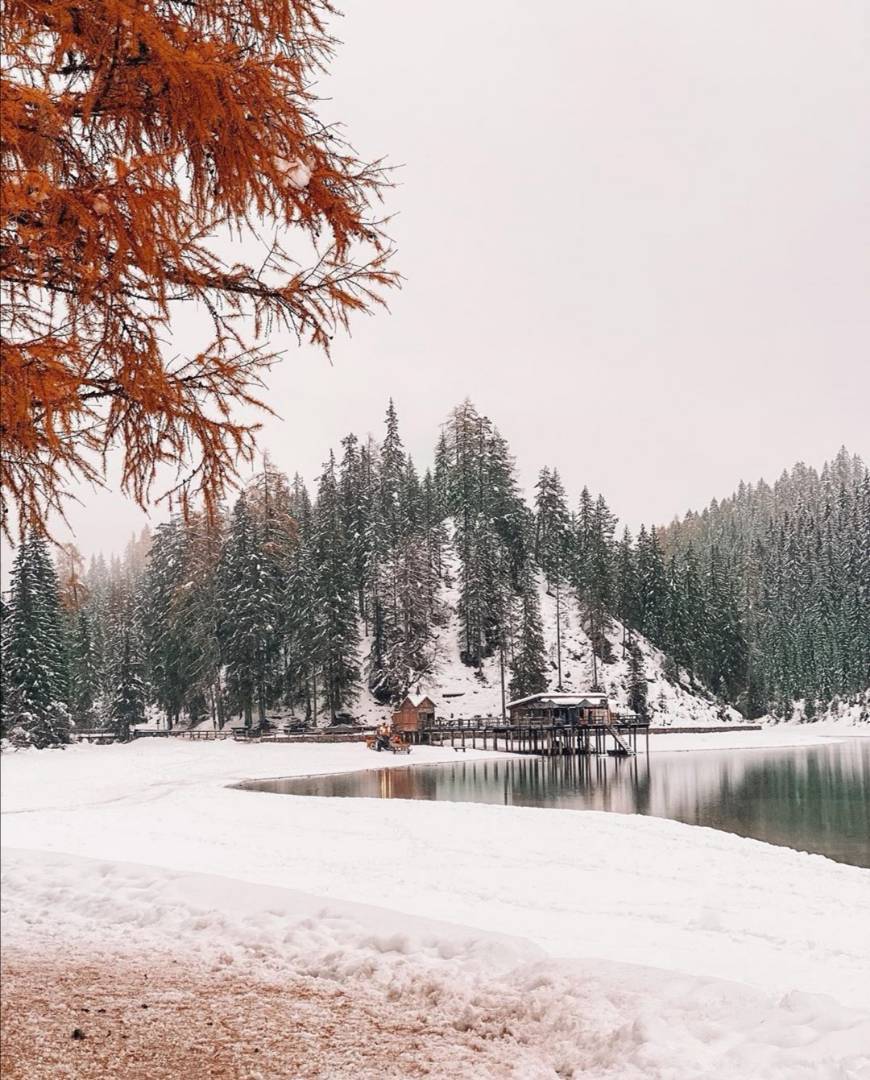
(544, 740)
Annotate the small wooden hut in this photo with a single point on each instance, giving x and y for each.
(416, 713)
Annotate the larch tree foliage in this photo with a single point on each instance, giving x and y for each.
(136, 137)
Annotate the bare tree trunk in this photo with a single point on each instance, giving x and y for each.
(559, 634)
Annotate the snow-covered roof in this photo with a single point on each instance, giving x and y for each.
(592, 698)
(418, 699)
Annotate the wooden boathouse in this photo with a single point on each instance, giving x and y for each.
(545, 724)
(416, 713)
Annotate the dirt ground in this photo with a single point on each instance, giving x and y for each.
(150, 1018)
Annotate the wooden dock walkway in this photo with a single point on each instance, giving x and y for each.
(477, 733)
(489, 733)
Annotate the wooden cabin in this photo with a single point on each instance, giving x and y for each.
(416, 713)
(584, 709)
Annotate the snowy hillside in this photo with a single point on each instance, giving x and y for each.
(462, 691)
(841, 713)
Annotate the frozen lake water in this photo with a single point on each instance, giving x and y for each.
(814, 799)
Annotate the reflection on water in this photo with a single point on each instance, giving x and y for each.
(815, 799)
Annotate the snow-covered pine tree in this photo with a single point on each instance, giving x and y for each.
(625, 598)
(511, 519)
(599, 599)
(581, 547)
(392, 482)
(441, 476)
(554, 548)
(83, 671)
(387, 477)
(354, 488)
(167, 638)
(246, 625)
(724, 653)
(408, 631)
(301, 645)
(270, 501)
(300, 505)
(552, 535)
(196, 608)
(97, 584)
(337, 638)
(652, 586)
(35, 660)
(128, 700)
(637, 681)
(491, 527)
(84, 682)
(529, 668)
(435, 539)
(411, 501)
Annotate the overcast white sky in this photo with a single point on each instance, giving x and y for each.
(636, 234)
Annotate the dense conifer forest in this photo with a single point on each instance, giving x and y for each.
(300, 599)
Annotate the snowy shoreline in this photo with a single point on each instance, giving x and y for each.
(789, 738)
(145, 846)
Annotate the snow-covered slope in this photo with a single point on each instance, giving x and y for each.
(840, 713)
(462, 691)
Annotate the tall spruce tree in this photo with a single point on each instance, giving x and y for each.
(35, 654)
(246, 626)
(637, 681)
(83, 672)
(529, 667)
(337, 635)
(128, 700)
(167, 638)
(552, 534)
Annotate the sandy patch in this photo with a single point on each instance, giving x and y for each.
(157, 1018)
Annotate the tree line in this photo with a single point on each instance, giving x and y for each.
(301, 600)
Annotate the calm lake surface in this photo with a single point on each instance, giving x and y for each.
(814, 799)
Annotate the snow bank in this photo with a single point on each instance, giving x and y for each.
(770, 737)
(842, 714)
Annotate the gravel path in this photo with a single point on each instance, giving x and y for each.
(154, 1018)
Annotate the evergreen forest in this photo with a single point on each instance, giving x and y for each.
(305, 599)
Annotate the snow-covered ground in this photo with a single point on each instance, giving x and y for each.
(590, 944)
(770, 737)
